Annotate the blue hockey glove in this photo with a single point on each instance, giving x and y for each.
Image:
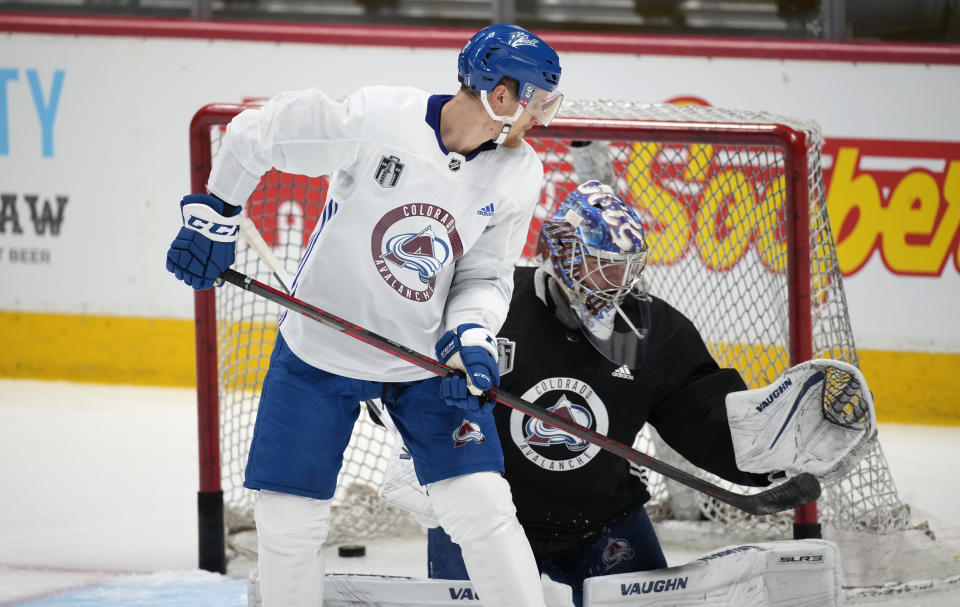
(454, 392)
(473, 350)
(206, 244)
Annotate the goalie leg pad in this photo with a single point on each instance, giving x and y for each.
(346, 590)
(291, 531)
(776, 574)
(477, 511)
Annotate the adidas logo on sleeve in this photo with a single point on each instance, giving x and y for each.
(623, 373)
(486, 211)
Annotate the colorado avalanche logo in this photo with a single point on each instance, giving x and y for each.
(617, 551)
(539, 432)
(547, 446)
(411, 245)
(466, 432)
(423, 253)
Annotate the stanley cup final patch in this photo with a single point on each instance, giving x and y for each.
(506, 350)
(388, 173)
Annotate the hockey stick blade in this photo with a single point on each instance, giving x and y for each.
(799, 490)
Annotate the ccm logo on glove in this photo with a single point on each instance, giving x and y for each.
(202, 218)
(447, 351)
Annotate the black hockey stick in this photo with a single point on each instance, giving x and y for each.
(799, 490)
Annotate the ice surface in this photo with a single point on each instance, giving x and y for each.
(99, 491)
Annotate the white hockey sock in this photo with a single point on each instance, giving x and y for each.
(477, 511)
(290, 532)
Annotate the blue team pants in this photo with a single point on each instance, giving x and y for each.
(306, 415)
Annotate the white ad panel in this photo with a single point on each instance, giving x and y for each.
(94, 157)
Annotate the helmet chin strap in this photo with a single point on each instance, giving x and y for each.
(640, 334)
(506, 120)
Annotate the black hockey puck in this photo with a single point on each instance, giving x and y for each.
(352, 550)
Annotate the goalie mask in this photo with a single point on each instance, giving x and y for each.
(595, 250)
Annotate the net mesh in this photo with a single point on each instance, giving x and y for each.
(715, 209)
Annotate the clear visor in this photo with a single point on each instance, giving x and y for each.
(541, 104)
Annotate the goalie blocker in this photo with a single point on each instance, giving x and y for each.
(777, 574)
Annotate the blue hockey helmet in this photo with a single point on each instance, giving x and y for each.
(509, 50)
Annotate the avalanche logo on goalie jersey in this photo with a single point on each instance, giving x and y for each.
(617, 551)
(549, 447)
(411, 244)
(539, 432)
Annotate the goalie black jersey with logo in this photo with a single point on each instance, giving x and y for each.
(678, 388)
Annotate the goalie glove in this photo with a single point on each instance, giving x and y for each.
(818, 417)
(473, 350)
(206, 244)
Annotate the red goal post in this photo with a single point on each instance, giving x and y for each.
(735, 211)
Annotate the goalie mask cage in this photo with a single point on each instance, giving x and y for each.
(740, 242)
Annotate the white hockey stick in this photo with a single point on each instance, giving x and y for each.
(255, 240)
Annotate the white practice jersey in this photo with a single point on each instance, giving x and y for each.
(412, 241)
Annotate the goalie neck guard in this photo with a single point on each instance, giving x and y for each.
(594, 249)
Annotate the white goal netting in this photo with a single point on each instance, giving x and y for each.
(741, 242)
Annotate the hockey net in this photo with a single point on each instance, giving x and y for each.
(740, 242)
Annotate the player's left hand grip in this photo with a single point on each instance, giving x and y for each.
(472, 349)
(206, 244)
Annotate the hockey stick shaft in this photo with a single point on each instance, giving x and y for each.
(797, 491)
(253, 237)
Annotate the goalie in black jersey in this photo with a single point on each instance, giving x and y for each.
(583, 341)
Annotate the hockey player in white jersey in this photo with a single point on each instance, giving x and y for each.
(429, 202)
